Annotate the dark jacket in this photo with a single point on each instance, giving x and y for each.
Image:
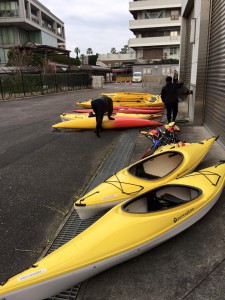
(102, 104)
(169, 93)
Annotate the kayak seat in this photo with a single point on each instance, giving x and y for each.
(153, 203)
(172, 199)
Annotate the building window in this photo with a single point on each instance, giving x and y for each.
(9, 9)
(173, 35)
(147, 71)
(174, 15)
(109, 65)
(166, 71)
(153, 14)
(7, 35)
(117, 64)
(173, 51)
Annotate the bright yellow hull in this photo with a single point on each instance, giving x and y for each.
(68, 116)
(145, 174)
(156, 102)
(127, 96)
(137, 227)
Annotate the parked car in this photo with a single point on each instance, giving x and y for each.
(137, 77)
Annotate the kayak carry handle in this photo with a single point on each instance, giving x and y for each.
(82, 199)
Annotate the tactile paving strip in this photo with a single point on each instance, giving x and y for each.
(118, 159)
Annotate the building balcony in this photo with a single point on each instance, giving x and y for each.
(154, 41)
(152, 4)
(154, 23)
(9, 14)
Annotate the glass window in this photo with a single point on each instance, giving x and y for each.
(173, 51)
(8, 36)
(174, 15)
(8, 9)
(6, 55)
(173, 35)
(166, 71)
(153, 14)
(147, 71)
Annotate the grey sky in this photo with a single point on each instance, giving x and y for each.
(96, 24)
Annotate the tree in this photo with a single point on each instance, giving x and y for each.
(19, 58)
(77, 51)
(89, 51)
(125, 49)
(113, 50)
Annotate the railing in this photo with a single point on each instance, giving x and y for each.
(9, 14)
(26, 85)
(154, 41)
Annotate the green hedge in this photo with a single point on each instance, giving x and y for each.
(31, 84)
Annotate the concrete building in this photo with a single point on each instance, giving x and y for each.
(23, 21)
(202, 62)
(156, 26)
(118, 59)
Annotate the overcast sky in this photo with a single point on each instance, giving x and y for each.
(96, 24)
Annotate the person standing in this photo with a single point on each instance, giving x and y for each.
(175, 76)
(101, 105)
(169, 95)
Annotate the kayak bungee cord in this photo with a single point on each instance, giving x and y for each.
(208, 174)
(124, 183)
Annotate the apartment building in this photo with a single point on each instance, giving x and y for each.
(118, 59)
(156, 27)
(23, 21)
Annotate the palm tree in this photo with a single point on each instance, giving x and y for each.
(113, 50)
(77, 51)
(89, 51)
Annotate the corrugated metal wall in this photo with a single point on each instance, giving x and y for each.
(214, 109)
(188, 54)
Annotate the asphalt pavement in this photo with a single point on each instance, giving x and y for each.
(41, 173)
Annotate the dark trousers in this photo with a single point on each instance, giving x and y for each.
(98, 109)
(172, 111)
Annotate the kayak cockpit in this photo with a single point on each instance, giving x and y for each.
(157, 166)
(161, 198)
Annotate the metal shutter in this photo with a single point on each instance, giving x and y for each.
(214, 110)
(188, 54)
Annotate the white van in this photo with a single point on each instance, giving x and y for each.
(137, 77)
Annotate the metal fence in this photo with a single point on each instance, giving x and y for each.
(25, 85)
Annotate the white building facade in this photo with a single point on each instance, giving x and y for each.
(24, 21)
(156, 27)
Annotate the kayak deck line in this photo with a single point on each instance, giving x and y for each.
(118, 158)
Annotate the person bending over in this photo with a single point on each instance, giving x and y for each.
(101, 105)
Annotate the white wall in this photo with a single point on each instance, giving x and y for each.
(195, 49)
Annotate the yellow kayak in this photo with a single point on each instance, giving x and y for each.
(117, 123)
(139, 224)
(156, 102)
(148, 173)
(69, 116)
(127, 96)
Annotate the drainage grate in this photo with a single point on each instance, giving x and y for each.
(118, 159)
